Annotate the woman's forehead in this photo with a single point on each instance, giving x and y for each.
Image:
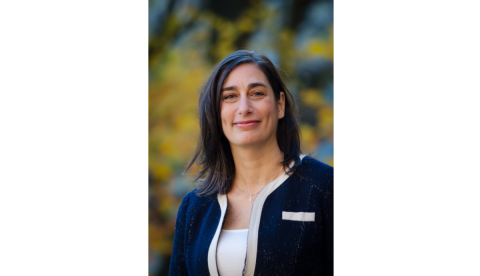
(245, 74)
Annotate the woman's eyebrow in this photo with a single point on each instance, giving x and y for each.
(229, 88)
(255, 84)
(250, 86)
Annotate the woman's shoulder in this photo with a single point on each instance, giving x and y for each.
(315, 171)
(192, 201)
(313, 164)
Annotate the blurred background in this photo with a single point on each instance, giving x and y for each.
(186, 40)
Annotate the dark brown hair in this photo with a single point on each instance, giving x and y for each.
(213, 151)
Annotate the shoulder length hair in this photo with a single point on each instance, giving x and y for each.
(213, 153)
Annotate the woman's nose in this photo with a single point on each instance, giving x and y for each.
(245, 107)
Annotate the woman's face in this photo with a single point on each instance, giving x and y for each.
(249, 111)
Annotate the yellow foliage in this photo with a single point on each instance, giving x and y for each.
(326, 115)
(309, 139)
(161, 171)
(320, 48)
(312, 97)
(245, 24)
(325, 119)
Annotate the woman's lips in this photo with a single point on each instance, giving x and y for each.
(246, 123)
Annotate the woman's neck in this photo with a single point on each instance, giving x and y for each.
(256, 167)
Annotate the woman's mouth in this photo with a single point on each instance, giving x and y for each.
(249, 123)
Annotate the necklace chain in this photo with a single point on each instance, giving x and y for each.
(250, 194)
(247, 193)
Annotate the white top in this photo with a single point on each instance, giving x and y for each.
(231, 252)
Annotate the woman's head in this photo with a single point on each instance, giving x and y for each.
(249, 109)
(243, 103)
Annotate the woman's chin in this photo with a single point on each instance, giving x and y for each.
(250, 142)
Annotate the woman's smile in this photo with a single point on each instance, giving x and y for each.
(247, 124)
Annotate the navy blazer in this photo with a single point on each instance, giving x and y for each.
(290, 230)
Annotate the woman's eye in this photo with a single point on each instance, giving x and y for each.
(258, 93)
(231, 96)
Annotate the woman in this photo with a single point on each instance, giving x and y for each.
(261, 208)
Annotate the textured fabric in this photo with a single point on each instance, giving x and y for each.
(284, 247)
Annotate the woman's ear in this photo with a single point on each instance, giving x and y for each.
(281, 106)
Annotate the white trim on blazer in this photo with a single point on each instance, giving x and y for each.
(254, 225)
